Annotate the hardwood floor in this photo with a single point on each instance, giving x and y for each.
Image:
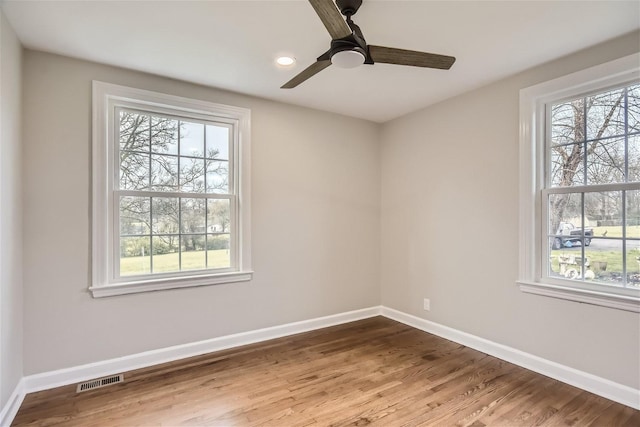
(374, 371)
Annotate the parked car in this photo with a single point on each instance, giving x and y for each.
(568, 235)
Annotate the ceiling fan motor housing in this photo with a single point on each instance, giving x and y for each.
(347, 44)
(342, 45)
(354, 42)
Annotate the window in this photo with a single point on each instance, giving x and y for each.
(580, 186)
(170, 192)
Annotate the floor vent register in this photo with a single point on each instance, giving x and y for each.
(100, 382)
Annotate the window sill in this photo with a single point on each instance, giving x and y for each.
(620, 302)
(172, 283)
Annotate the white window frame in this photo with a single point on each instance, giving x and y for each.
(105, 169)
(533, 235)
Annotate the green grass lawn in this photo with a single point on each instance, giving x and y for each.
(616, 231)
(192, 260)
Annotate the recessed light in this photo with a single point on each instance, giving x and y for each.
(285, 61)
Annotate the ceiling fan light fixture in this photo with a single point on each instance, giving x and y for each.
(347, 59)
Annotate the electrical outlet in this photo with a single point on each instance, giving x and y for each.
(427, 304)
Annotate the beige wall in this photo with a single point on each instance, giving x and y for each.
(10, 212)
(450, 229)
(315, 203)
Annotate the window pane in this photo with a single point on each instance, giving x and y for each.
(165, 215)
(605, 161)
(193, 252)
(218, 216)
(192, 215)
(607, 228)
(605, 262)
(217, 177)
(565, 262)
(134, 215)
(605, 116)
(634, 158)
(191, 139)
(164, 170)
(164, 135)
(633, 96)
(604, 213)
(217, 142)
(218, 251)
(567, 122)
(166, 257)
(192, 175)
(565, 219)
(555, 263)
(134, 171)
(633, 214)
(567, 165)
(633, 263)
(134, 131)
(134, 255)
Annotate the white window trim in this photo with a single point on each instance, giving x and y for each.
(532, 134)
(105, 97)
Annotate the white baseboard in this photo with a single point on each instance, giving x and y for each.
(602, 387)
(76, 374)
(47, 380)
(10, 409)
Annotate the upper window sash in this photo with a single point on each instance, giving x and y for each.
(587, 136)
(533, 161)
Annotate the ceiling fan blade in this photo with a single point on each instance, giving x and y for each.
(308, 72)
(390, 55)
(331, 18)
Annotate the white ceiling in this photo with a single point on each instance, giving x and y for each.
(233, 44)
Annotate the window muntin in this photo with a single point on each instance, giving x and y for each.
(591, 203)
(171, 192)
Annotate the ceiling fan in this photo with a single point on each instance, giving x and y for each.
(349, 48)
